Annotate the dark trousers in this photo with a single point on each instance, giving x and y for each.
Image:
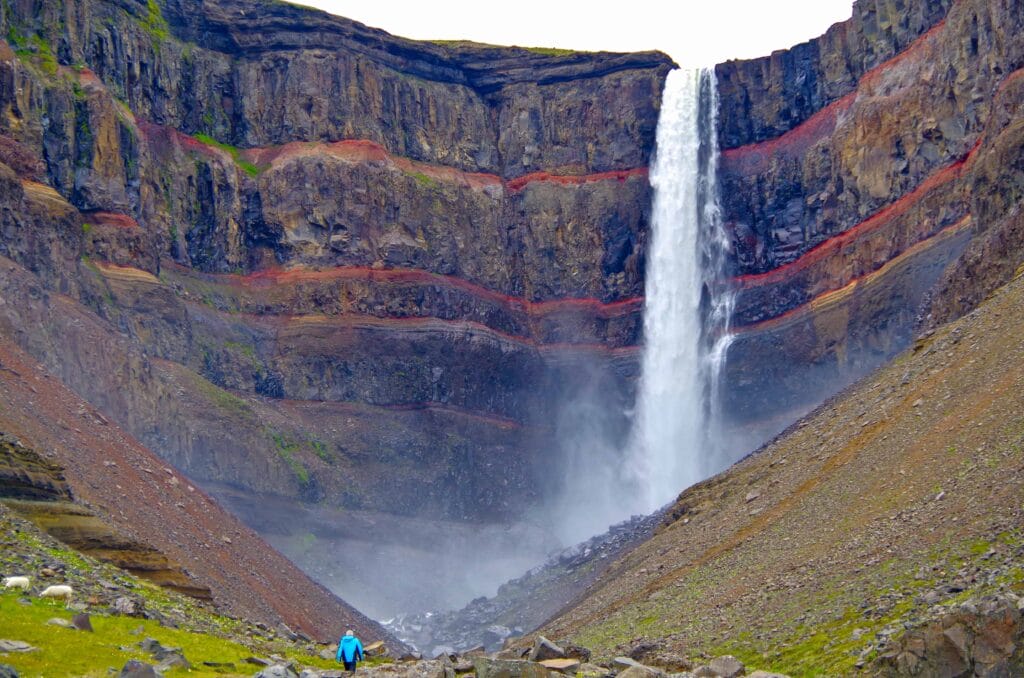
(351, 666)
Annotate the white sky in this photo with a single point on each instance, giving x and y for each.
(693, 32)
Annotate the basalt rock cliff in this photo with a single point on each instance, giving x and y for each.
(872, 185)
(319, 268)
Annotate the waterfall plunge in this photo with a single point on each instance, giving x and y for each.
(674, 438)
(686, 313)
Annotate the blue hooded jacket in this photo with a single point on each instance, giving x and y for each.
(350, 649)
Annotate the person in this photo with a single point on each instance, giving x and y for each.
(350, 651)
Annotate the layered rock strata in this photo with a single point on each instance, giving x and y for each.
(865, 174)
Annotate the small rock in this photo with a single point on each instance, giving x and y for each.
(766, 674)
(81, 622)
(728, 666)
(327, 654)
(7, 671)
(410, 657)
(57, 621)
(257, 661)
(277, 671)
(136, 669)
(751, 496)
(47, 572)
(15, 646)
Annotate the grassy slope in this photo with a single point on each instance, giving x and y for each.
(203, 635)
(797, 556)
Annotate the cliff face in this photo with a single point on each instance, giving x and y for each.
(300, 257)
(866, 175)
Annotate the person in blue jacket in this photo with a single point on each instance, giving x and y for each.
(350, 650)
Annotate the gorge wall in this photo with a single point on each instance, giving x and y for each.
(872, 182)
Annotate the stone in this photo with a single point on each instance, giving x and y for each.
(574, 651)
(82, 622)
(327, 654)
(258, 661)
(137, 669)
(568, 665)
(640, 671)
(277, 671)
(376, 649)
(766, 674)
(174, 659)
(407, 657)
(587, 670)
(623, 663)
(507, 668)
(57, 621)
(15, 646)
(727, 666)
(7, 671)
(125, 606)
(545, 649)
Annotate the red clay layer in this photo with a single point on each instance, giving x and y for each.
(115, 219)
(873, 223)
(822, 123)
(273, 277)
(807, 307)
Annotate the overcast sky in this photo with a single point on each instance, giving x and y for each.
(693, 32)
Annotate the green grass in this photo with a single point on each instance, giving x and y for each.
(423, 179)
(551, 51)
(114, 641)
(34, 50)
(286, 448)
(247, 167)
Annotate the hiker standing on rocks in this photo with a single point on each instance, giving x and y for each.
(350, 651)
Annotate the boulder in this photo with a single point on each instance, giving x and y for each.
(7, 671)
(376, 649)
(82, 622)
(277, 671)
(126, 606)
(508, 668)
(574, 651)
(640, 671)
(136, 669)
(568, 665)
(623, 663)
(593, 671)
(728, 666)
(545, 649)
(173, 660)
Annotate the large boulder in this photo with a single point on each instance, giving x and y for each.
(508, 668)
(545, 649)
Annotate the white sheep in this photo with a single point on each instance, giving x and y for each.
(58, 591)
(15, 582)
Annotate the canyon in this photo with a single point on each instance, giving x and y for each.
(370, 293)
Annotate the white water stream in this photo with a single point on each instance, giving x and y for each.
(685, 320)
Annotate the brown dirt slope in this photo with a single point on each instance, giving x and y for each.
(129, 486)
(881, 508)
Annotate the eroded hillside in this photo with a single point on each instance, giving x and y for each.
(885, 506)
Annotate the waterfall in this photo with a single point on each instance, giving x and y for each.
(687, 309)
(676, 433)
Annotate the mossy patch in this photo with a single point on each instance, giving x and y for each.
(246, 166)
